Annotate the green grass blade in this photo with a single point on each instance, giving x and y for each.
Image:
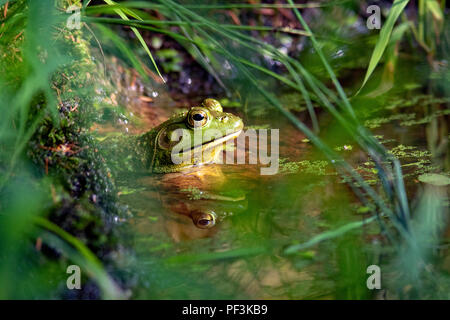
(435, 9)
(328, 235)
(214, 256)
(122, 46)
(383, 40)
(327, 66)
(92, 263)
(121, 13)
(154, 6)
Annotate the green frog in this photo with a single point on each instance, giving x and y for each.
(178, 139)
(187, 139)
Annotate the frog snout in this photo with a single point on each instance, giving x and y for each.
(239, 124)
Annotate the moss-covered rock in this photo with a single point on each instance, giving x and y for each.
(61, 149)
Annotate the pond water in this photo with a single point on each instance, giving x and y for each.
(257, 217)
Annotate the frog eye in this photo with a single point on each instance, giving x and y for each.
(204, 220)
(197, 118)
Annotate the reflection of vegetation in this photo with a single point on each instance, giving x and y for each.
(377, 122)
(419, 104)
(426, 119)
(413, 161)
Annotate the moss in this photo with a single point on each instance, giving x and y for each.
(70, 153)
(85, 201)
(377, 122)
(414, 162)
(346, 147)
(314, 167)
(416, 112)
(436, 114)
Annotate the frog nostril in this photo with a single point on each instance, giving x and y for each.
(224, 119)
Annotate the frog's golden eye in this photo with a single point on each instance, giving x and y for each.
(204, 220)
(197, 118)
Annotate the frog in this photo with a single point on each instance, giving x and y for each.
(152, 152)
(187, 139)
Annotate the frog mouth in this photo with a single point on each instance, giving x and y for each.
(213, 143)
(205, 152)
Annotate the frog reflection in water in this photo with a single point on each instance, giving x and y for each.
(188, 204)
(153, 150)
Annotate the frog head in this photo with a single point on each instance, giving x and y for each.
(193, 138)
